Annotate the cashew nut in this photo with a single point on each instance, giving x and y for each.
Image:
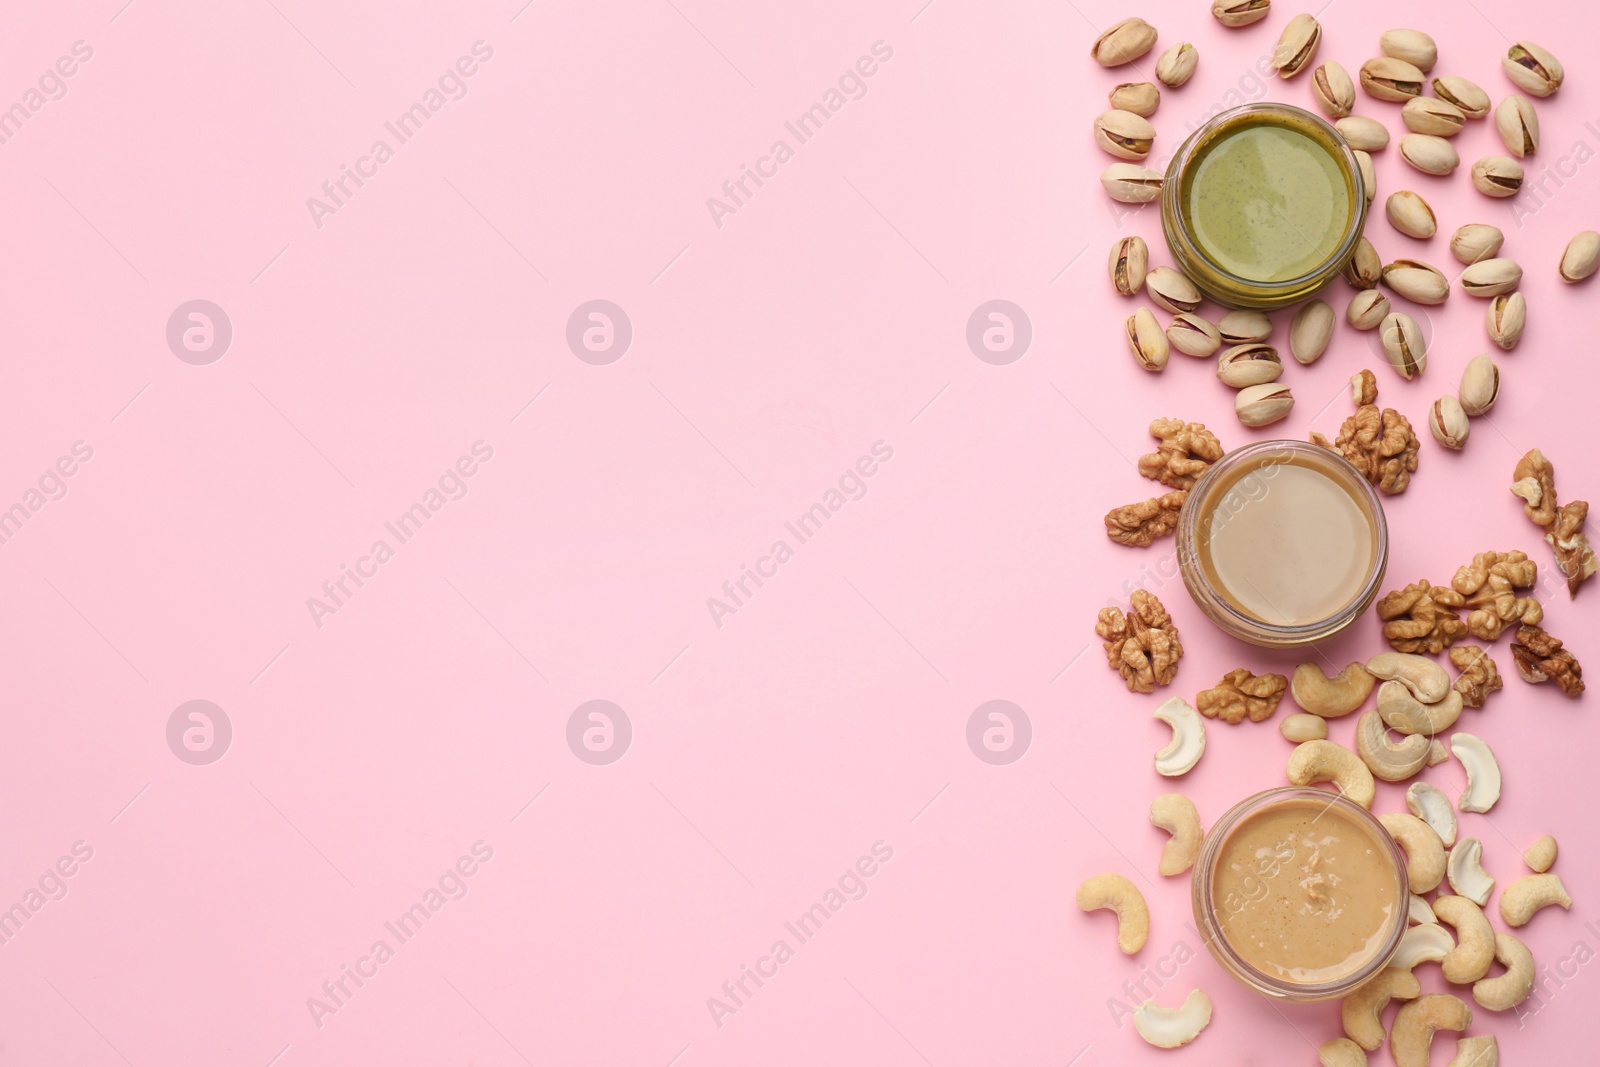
(1465, 870)
(1474, 951)
(1424, 853)
(1392, 761)
(1481, 1051)
(1437, 752)
(1331, 697)
(1173, 1027)
(1432, 805)
(1417, 1022)
(1327, 761)
(1541, 855)
(1361, 1012)
(1402, 710)
(1176, 814)
(1427, 943)
(1341, 1052)
(1528, 894)
(1483, 772)
(1114, 891)
(1303, 727)
(1420, 911)
(1188, 738)
(1427, 681)
(1505, 991)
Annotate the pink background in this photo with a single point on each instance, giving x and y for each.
(768, 355)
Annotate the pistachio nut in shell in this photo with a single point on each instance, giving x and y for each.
(1581, 257)
(1262, 405)
(1236, 13)
(1123, 43)
(1473, 101)
(1475, 241)
(1177, 65)
(1362, 133)
(1171, 290)
(1244, 365)
(1193, 334)
(1394, 80)
(1491, 277)
(1310, 331)
(1411, 215)
(1480, 385)
(1505, 318)
(1429, 154)
(1147, 342)
(1518, 125)
(1141, 98)
(1425, 114)
(1335, 93)
(1124, 134)
(1413, 46)
(1365, 268)
(1532, 68)
(1129, 183)
(1297, 45)
(1367, 309)
(1130, 259)
(1497, 176)
(1403, 344)
(1369, 176)
(1448, 422)
(1244, 327)
(1417, 281)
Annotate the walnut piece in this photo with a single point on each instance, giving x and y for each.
(1534, 480)
(1416, 618)
(1574, 555)
(1479, 675)
(1381, 445)
(1139, 524)
(1142, 645)
(1540, 658)
(1241, 693)
(1485, 588)
(1364, 388)
(1185, 451)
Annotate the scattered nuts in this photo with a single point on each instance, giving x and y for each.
(1146, 341)
(1540, 658)
(1236, 13)
(1141, 98)
(1330, 698)
(1505, 318)
(1505, 991)
(1368, 135)
(1129, 183)
(1491, 277)
(1341, 1052)
(1479, 676)
(1193, 335)
(1402, 711)
(1449, 423)
(1473, 101)
(1334, 91)
(1476, 241)
(1483, 772)
(1303, 726)
(1403, 344)
(1242, 693)
(1532, 68)
(1115, 892)
(1176, 814)
(1581, 257)
(1417, 1021)
(1381, 445)
(1413, 46)
(1432, 805)
(1418, 618)
(1171, 290)
(1297, 45)
(1142, 645)
(1124, 134)
(1438, 118)
(1365, 268)
(1480, 385)
(1185, 451)
(1188, 743)
(1177, 65)
(1244, 327)
(1244, 365)
(1327, 761)
(1424, 943)
(1424, 852)
(1522, 898)
(1497, 176)
(1474, 951)
(1467, 876)
(1361, 1013)
(1130, 259)
(1367, 309)
(1140, 524)
(1123, 43)
(1173, 1027)
(1429, 154)
(1310, 331)
(1518, 125)
(1262, 405)
(1387, 78)
(1417, 281)
(1369, 176)
(1540, 855)
(1411, 215)
(1427, 680)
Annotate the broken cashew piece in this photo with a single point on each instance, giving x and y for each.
(1424, 852)
(1361, 1012)
(1188, 738)
(1392, 761)
(1520, 899)
(1474, 951)
(1114, 891)
(1415, 1024)
(1176, 814)
(1427, 943)
(1304, 727)
(1483, 772)
(1332, 697)
(1427, 681)
(1173, 1027)
(1437, 752)
(1505, 991)
(1465, 870)
(1480, 1051)
(1541, 855)
(1341, 1052)
(1432, 805)
(1327, 761)
(1401, 709)
(1420, 911)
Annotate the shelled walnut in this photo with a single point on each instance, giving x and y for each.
(1486, 588)
(1241, 693)
(1418, 618)
(1479, 676)
(1381, 445)
(1185, 451)
(1140, 524)
(1534, 480)
(1141, 645)
(1540, 658)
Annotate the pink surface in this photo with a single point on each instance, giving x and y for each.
(409, 743)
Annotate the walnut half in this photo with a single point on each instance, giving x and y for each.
(1185, 451)
(1479, 675)
(1486, 588)
(1381, 445)
(1418, 618)
(1140, 524)
(1534, 480)
(1142, 645)
(1540, 658)
(1242, 693)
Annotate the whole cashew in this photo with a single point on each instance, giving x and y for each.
(1341, 1052)
(1474, 951)
(1403, 711)
(1427, 681)
(1304, 727)
(1505, 991)
(1541, 855)
(1327, 761)
(1392, 761)
(1361, 1012)
(1173, 1027)
(1424, 851)
(1331, 697)
(1176, 814)
(1432, 805)
(1481, 1051)
(1188, 742)
(1483, 772)
(1464, 868)
(1114, 891)
(1417, 1022)
(1528, 894)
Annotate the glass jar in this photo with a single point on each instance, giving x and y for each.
(1224, 916)
(1282, 543)
(1263, 205)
